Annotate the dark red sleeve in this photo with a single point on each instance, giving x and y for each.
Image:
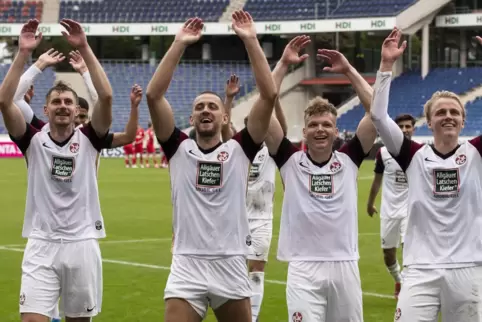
(24, 142)
(37, 123)
(407, 151)
(354, 150)
(172, 144)
(96, 141)
(285, 150)
(107, 143)
(477, 143)
(244, 139)
(379, 166)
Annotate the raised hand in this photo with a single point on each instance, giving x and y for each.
(291, 54)
(243, 25)
(75, 35)
(232, 86)
(390, 48)
(27, 41)
(191, 31)
(50, 58)
(77, 62)
(136, 95)
(339, 63)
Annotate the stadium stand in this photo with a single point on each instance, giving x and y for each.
(269, 10)
(371, 8)
(19, 11)
(138, 11)
(409, 93)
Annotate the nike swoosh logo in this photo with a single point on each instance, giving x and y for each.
(90, 310)
(45, 145)
(303, 165)
(257, 255)
(427, 159)
(190, 151)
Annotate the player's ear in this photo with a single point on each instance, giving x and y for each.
(304, 133)
(225, 118)
(77, 110)
(191, 121)
(46, 113)
(336, 131)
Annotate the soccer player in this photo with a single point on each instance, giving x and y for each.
(210, 225)
(319, 224)
(442, 248)
(63, 220)
(138, 146)
(394, 209)
(150, 148)
(261, 181)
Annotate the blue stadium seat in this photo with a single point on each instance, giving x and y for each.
(20, 11)
(371, 8)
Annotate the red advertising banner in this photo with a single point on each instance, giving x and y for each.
(9, 150)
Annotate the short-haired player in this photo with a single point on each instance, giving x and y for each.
(210, 224)
(394, 207)
(442, 251)
(319, 221)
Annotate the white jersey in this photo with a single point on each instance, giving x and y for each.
(62, 193)
(208, 191)
(395, 186)
(445, 217)
(319, 220)
(261, 186)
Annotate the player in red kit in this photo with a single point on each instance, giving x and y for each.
(138, 148)
(150, 148)
(129, 155)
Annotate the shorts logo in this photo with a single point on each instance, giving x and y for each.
(62, 168)
(223, 156)
(209, 176)
(98, 225)
(446, 183)
(335, 166)
(74, 147)
(22, 298)
(461, 159)
(297, 317)
(248, 240)
(254, 172)
(398, 314)
(321, 185)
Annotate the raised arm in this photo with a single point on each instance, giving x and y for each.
(291, 55)
(102, 114)
(389, 131)
(159, 108)
(12, 116)
(260, 114)
(78, 64)
(129, 134)
(231, 90)
(366, 131)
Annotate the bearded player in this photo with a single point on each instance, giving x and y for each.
(319, 224)
(394, 209)
(442, 248)
(63, 220)
(210, 225)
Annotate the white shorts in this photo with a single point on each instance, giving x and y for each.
(71, 270)
(202, 282)
(261, 232)
(392, 231)
(324, 291)
(455, 292)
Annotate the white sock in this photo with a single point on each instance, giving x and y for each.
(257, 286)
(395, 272)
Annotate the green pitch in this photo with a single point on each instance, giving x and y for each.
(136, 205)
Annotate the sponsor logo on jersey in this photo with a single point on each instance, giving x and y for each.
(209, 176)
(74, 147)
(401, 179)
(62, 168)
(223, 156)
(446, 183)
(321, 185)
(254, 171)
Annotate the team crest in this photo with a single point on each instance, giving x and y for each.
(22, 298)
(98, 225)
(261, 157)
(335, 166)
(398, 314)
(74, 147)
(461, 159)
(223, 156)
(297, 317)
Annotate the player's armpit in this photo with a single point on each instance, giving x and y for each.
(171, 145)
(247, 143)
(407, 151)
(23, 141)
(96, 140)
(108, 142)
(366, 133)
(354, 149)
(161, 115)
(285, 150)
(477, 143)
(37, 123)
(275, 136)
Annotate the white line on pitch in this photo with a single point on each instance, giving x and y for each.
(166, 268)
